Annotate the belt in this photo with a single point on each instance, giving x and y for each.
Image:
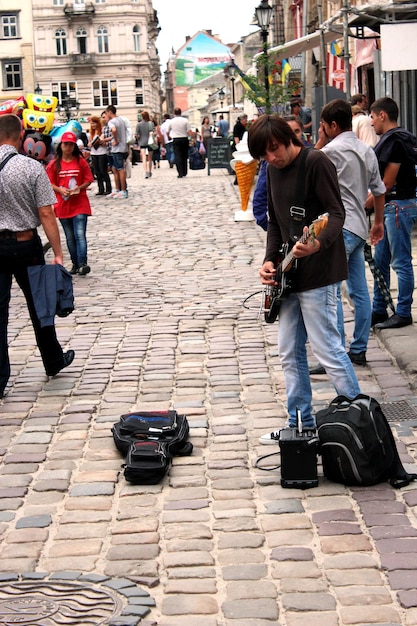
(19, 235)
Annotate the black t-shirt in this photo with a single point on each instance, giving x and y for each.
(398, 146)
(239, 130)
(321, 195)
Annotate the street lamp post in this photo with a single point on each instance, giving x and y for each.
(221, 94)
(230, 74)
(70, 107)
(263, 15)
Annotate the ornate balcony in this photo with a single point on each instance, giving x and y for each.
(75, 10)
(82, 60)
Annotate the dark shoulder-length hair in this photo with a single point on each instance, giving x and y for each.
(76, 153)
(268, 131)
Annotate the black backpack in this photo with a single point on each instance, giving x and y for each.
(357, 445)
(150, 439)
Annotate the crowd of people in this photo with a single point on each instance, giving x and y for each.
(363, 164)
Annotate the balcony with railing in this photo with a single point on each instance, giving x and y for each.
(83, 60)
(79, 9)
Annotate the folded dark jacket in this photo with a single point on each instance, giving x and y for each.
(52, 292)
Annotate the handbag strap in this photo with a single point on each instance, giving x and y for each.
(6, 159)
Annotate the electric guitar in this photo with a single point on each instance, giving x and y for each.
(274, 295)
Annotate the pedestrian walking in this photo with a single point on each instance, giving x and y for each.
(26, 198)
(296, 177)
(98, 151)
(70, 176)
(178, 131)
(396, 153)
(167, 141)
(143, 130)
(223, 127)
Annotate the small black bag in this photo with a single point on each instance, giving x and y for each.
(150, 439)
(146, 463)
(357, 445)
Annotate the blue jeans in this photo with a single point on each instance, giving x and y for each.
(357, 288)
(395, 250)
(169, 147)
(312, 314)
(75, 229)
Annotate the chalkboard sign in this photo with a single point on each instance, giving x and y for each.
(218, 154)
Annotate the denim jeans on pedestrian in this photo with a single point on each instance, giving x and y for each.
(312, 315)
(169, 147)
(357, 288)
(395, 250)
(75, 229)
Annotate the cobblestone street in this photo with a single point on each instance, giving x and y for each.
(158, 324)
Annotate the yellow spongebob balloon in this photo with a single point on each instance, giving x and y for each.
(41, 103)
(41, 121)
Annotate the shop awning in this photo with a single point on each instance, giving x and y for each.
(297, 46)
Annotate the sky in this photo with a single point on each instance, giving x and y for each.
(228, 19)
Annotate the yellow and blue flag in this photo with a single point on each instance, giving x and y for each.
(286, 69)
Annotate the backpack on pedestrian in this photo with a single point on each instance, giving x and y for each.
(357, 445)
(129, 132)
(149, 440)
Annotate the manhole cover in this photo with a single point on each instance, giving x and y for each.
(399, 411)
(42, 602)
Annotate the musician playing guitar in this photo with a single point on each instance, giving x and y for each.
(302, 186)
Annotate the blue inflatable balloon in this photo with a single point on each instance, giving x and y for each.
(72, 126)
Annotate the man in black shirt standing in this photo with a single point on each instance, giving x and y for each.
(397, 156)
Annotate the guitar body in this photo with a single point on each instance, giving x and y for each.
(274, 295)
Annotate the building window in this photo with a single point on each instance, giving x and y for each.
(58, 3)
(103, 39)
(9, 26)
(81, 36)
(100, 1)
(12, 74)
(139, 99)
(104, 93)
(136, 38)
(61, 42)
(64, 90)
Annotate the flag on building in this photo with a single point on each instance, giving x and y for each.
(286, 69)
(335, 49)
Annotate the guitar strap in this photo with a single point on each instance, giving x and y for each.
(297, 210)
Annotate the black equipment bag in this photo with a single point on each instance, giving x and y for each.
(357, 445)
(146, 463)
(150, 439)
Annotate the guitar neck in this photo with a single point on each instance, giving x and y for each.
(290, 256)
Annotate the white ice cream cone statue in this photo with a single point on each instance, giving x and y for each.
(245, 167)
(245, 173)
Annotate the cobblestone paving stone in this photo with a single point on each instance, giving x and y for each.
(159, 323)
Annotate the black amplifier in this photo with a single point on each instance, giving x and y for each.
(298, 458)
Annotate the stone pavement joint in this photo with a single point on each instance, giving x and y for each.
(159, 323)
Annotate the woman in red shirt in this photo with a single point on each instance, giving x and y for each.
(70, 175)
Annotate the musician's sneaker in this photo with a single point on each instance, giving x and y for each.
(269, 438)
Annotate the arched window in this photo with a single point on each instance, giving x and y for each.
(102, 39)
(81, 36)
(61, 42)
(136, 38)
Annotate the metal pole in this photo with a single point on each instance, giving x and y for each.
(322, 52)
(346, 55)
(266, 70)
(233, 91)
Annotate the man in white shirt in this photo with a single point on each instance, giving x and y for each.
(178, 132)
(168, 143)
(119, 151)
